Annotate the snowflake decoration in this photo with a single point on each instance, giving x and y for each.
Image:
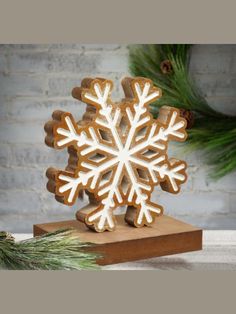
(119, 156)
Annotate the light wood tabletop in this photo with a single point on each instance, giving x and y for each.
(219, 253)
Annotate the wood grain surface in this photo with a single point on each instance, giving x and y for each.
(218, 253)
(165, 237)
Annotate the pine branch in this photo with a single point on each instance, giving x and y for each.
(213, 131)
(53, 251)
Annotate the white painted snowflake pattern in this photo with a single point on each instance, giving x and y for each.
(120, 154)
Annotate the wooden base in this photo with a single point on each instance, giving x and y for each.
(165, 237)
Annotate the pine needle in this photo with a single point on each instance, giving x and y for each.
(213, 132)
(53, 251)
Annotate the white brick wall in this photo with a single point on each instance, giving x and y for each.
(37, 79)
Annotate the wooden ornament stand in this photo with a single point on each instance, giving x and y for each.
(117, 154)
(165, 237)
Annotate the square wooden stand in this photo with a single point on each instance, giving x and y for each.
(165, 237)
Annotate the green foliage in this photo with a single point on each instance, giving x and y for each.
(53, 251)
(213, 131)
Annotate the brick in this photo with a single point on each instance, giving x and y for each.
(23, 222)
(4, 107)
(22, 85)
(210, 62)
(74, 63)
(223, 104)
(45, 62)
(179, 151)
(233, 64)
(191, 203)
(101, 47)
(22, 178)
(30, 155)
(203, 182)
(3, 63)
(85, 47)
(19, 201)
(232, 202)
(117, 92)
(51, 206)
(115, 62)
(62, 86)
(64, 47)
(212, 49)
(5, 155)
(23, 47)
(216, 85)
(29, 62)
(18, 132)
(26, 109)
(59, 47)
(212, 221)
(4, 48)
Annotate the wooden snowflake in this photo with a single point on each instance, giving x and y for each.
(119, 155)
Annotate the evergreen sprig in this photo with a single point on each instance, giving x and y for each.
(53, 251)
(214, 132)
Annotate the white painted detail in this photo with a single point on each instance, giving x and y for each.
(121, 156)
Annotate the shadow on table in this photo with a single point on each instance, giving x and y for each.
(158, 263)
(164, 263)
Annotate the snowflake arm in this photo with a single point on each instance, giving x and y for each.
(97, 93)
(65, 132)
(168, 126)
(170, 174)
(88, 143)
(143, 93)
(174, 126)
(62, 131)
(102, 218)
(68, 184)
(139, 194)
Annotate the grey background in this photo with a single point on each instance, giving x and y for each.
(37, 79)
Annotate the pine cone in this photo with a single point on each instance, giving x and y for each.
(166, 67)
(188, 116)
